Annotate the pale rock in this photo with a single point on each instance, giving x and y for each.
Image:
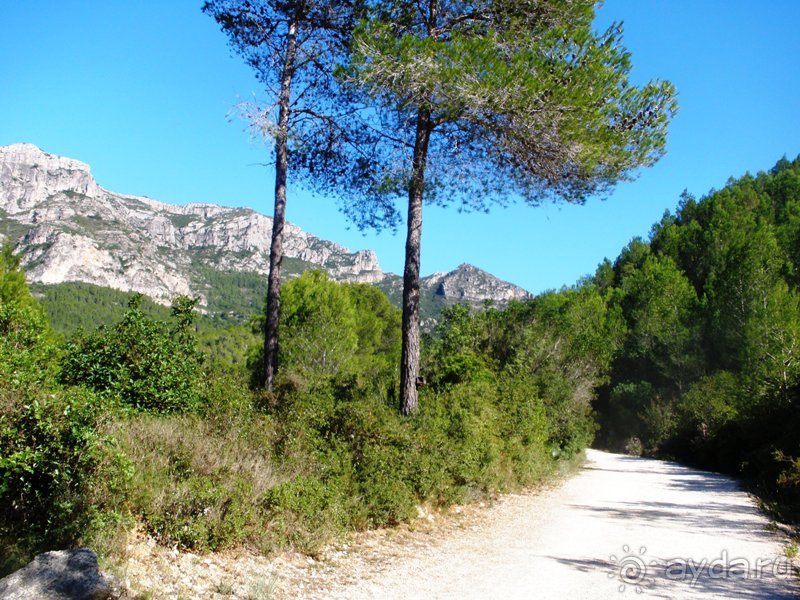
(30, 176)
(60, 575)
(78, 231)
(471, 284)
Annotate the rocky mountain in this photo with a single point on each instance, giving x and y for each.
(69, 229)
(466, 284)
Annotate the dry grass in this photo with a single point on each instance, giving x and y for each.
(195, 483)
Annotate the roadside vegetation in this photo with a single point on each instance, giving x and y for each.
(708, 370)
(132, 424)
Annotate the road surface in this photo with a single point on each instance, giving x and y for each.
(622, 527)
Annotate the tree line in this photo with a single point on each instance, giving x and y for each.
(709, 361)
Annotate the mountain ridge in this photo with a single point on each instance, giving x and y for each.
(70, 229)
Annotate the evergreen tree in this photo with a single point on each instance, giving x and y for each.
(292, 46)
(479, 102)
(27, 343)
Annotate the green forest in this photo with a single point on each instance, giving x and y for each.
(684, 347)
(707, 365)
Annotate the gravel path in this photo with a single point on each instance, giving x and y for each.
(622, 526)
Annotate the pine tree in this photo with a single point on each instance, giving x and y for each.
(484, 102)
(293, 46)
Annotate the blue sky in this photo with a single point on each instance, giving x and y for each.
(143, 91)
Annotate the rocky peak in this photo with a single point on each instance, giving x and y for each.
(470, 284)
(28, 175)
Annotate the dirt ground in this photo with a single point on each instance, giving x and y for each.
(621, 526)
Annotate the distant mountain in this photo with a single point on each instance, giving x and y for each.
(69, 229)
(466, 284)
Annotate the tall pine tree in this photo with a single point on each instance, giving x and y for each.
(483, 102)
(293, 46)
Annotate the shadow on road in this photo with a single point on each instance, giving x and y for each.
(688, 510)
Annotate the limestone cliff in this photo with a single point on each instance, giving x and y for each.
(68, 228)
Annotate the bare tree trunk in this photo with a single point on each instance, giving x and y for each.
(409, 364)
(279, 216)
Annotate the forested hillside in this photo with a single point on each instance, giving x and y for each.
(74, 306)
(709, 361)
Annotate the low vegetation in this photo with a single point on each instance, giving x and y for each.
(130, 423)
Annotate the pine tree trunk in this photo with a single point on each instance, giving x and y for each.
(279, 215)
(409, 365)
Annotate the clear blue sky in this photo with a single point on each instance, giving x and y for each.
(141, 90)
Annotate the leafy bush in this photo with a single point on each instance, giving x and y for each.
(51, 461)
(27, 344)
(452, 354)
(331, 330)
(54, 464)
(542, 345)
(145, 364)
(382, 452)
(225, 400)
(707, 408)
(357, 463)
(51, 454)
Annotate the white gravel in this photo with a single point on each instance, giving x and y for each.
(622, 527)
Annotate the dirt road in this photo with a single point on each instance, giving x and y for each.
(623, 527)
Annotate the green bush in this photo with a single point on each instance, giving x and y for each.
(142, 363)
(524, 429)
(382, 453)
(305, 513)
(707, 407)
(358, 463)
(52, 457)
(27, 344)
(225, 400)
(480, 438)
(331, 331)
(52, 460)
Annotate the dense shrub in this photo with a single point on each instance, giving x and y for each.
(133, 427)
(543, 347)
(27, 344)
(194, 484)
(332, 330)
(142, 363)
(51, 454)
(53, 459)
